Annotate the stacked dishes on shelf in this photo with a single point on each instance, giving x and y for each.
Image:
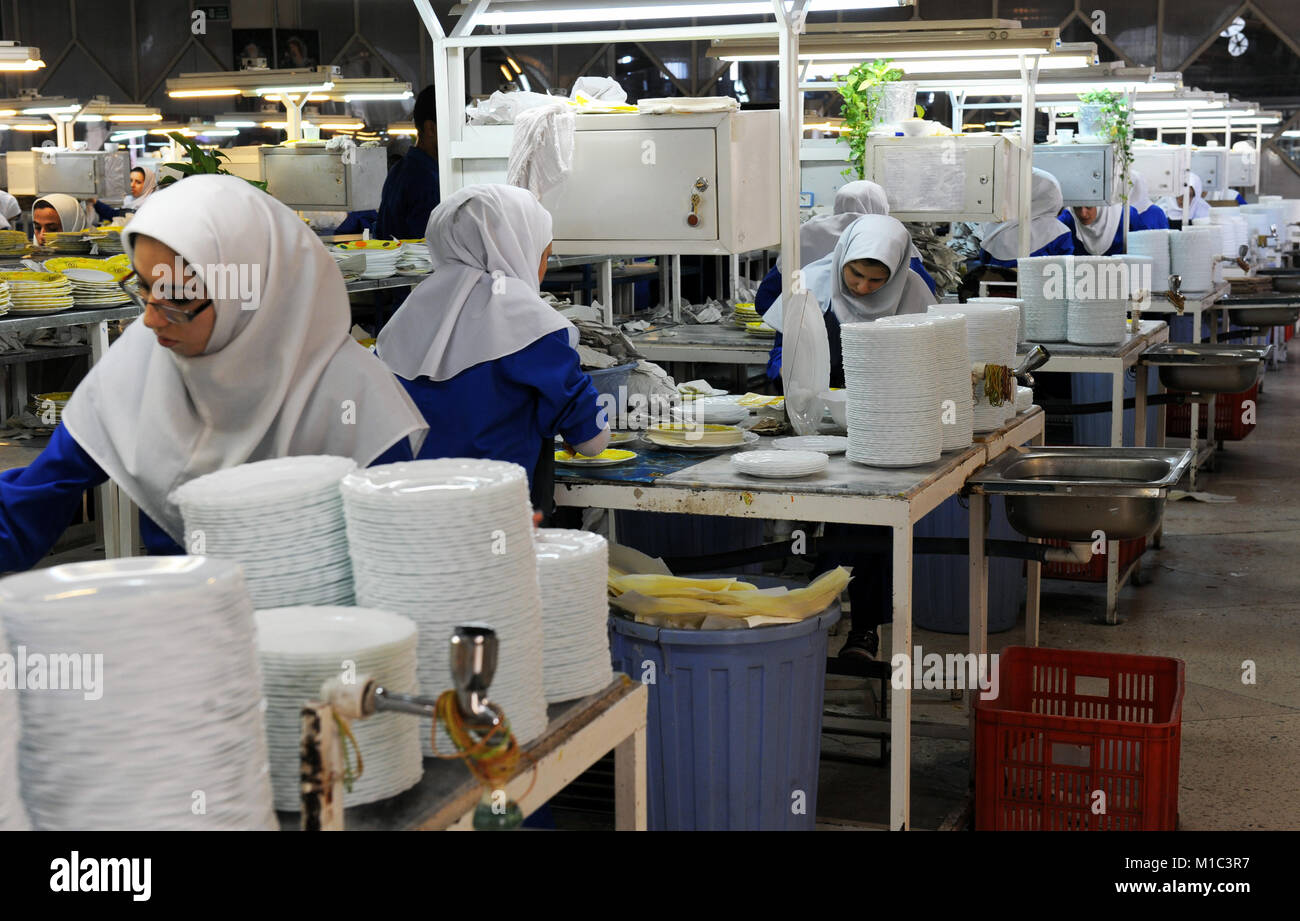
(1192, 253)
(953, 363)
(573, 570)
(302, 647)
(95, 288)
(1220, 234)
(283, 520)
(108, 240)
(745, 314)
(172, 709)
(1154, 245)
(414, 258)
(381, 256)
(1016, 301)
(760, 329)
(450, 542)
(13, 243)
(67, 241)
(780, 464)
(37, 293)
(1102, 289)
(894, 411)
(1042, 289)
(825, 444)
(13, 817)
(991, 333)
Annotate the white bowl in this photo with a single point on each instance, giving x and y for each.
(916, 127)
(837, 403)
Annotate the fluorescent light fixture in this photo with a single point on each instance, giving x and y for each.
(931, 67)
(1293, 133)
(505, 72)
(377, 97)
(251, 82)
(199, 94)
(127, 135)
(15, 57)
(932, 50)
(52, 110)
(292, 90)
(402, 128)
(214, 132)
(132, 117)
(233, 123)
(343, 125)
(90, 118)
(32, 127)
(545, 12)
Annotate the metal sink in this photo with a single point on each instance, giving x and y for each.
(1205, 367)
(1285, 280)
(1264, 310)
(1070, 493)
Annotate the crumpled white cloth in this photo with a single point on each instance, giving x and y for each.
(599, 89)
(687, 105)
(541, 154)
(504, 108)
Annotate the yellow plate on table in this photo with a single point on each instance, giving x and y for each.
(370, 244)
(415, 242)
(47, 277)
(603, 459)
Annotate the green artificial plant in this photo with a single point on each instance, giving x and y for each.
(860, 92)
(202, 162)
(1118, 125)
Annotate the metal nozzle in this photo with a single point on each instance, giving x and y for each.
(473, 664)
(1035, 359)
(1175, 293)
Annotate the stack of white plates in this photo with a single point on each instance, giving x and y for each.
(282, 519)
(720, 410)
(414, 259)
(991, 334)
(780, 464)
(4, 298)
(1234, 229)
(1024, 398)
(108, 241)
(175, 739)
(450, 542)
(49, 407)
(952, 359)
(37, 293)
(1100, 296)
(1192, 252)
(1006, 301)
(1220, 234)
(826, 444)
(70, 241)
(13, 817)
(573, 569)
(894, 408)
(1153, 244)
(93, 288)
(381, 256)
(302, 647)
(1042, 288)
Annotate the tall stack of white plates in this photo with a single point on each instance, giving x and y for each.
(13, 817)
(1219, 232)
(176, 739)
(1042, 288)
(895, 412)
(282, 519)
(952, 359)
(450, 542)
(1234, 229)
(1099, 298)
(1019, 302)
(573, 568)
(991, 334)
(1192, 252)
(1154, 244)
(300, 648)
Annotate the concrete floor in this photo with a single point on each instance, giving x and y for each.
(1223, 590)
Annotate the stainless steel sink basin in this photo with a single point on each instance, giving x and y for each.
(1205, 367)
(1263, 317)
(1071, 493)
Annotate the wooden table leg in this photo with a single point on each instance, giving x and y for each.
(630, 783)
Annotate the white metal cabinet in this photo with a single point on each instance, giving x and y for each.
(1164, 167)
(947, 178)
(1211, 164)
(1243, 169)
(312, 177)
(80, 173)
(1087, 172)
(822, 163)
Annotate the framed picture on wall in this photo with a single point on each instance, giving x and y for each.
(253, 48)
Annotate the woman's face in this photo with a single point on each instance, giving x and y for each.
(137, 183)
(541, 269)
(862, 278)
(1086, 215)
(46, 220)
(156, 265)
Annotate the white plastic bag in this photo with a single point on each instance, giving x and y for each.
(805, 363)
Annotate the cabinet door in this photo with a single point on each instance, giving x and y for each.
(1160, 169)
(637, 185)
(1082, 174)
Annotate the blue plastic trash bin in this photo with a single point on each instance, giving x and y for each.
(734, 724)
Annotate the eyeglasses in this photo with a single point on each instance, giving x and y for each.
(139, 293)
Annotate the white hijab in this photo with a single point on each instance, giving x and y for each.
(72, 213)
(150, 184)
(818, 237)
(1002, 240)
(9, 209)
(483, 300)
(871, 236)
(1189, 211)
(1100, 234)
(280, 379)
(1139, 198)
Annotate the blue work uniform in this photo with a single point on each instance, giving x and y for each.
(1153, 218)
(38, 502)
(1063, 245)
(410, 194)
(1117, 247)
(507, 408)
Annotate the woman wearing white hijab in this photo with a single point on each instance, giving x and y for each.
(1047, 235)
(57, 213)
(10, 210)
(1175, 209)
(143, 183)
(491, 365)
(1100, 231)
(866, 276)
(1150, 215)
(243, 353)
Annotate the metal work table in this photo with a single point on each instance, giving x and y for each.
(846, 493)
(718, 343)
(579, 734)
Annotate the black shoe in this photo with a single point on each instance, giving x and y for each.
(861, 645)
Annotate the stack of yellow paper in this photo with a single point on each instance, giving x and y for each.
(694, 604)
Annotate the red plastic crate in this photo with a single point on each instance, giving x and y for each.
(1068, 723)
(1228, 410)
(1095, 569)
(1290, 331)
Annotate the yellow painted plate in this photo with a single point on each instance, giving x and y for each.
(370, 244)
(46, 277)
(603, 459)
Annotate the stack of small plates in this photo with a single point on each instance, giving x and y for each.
(780, 464)
(1222, 238)
(69, 241)
(894, 407)
(450, 542)
(745, 314)
(282, 519)
(760, 329)
(49, 407)
(826, 444)
(167, 734)
(991, 333)
(414, 258)
(1192, 252)
(37, 293)
(1006, 301)
(95, 288)
(13, 817)
(108, 240)
(722, 410)
(303, 647)
(1153, 244)
(1100, 296)
(4, 298)
(1024, 399)
(953, 364)
(13, 242)
(381, 256)
(573, 569)
(1042, 288)
(695, 436)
